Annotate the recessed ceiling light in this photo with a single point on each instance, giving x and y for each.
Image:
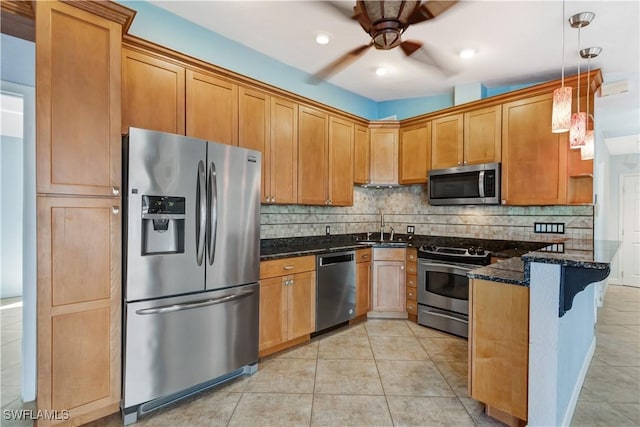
(323, 38)
(467, 53)
(381, 71)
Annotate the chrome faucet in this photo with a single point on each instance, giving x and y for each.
(392, 231)
(382, 226)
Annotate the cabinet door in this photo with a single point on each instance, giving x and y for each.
(534, 159)
(340, 162)
(312, 157)
(389, 286)
(446, 142)
(384, 156)
(301, 306)
(284, 152)
(361, 155)
(212, 108)
(483, 135)
(153, 92)
(253, 131)
(415, 149)
(499, 346)
(79, 305)
(363, 288)
(273, 302)
(78, 101)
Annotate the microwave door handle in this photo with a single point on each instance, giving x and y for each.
(201, 213)
(481, 183)
(212, 194)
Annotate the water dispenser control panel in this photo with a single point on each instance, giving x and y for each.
(162, 224)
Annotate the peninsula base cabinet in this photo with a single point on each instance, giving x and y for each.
(499, 349)
(287, 303)
(388, 288)
(363, 281)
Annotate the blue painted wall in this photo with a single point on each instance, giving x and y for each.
(17, 61)
(575, 335)
(504, 89)
(410, 107)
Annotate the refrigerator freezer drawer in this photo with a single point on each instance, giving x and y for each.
(172, 344)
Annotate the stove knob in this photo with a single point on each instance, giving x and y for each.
(427, 247)
(480, 251)
(471, 250)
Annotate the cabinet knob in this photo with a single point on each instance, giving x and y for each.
(459, 163)
(402, 267)
(365, 256)
(115, 210)
(330, 202)
(288, 267)
(115, 190)
(465, 162)
(273, 199)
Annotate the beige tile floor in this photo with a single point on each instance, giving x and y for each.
(394, 372)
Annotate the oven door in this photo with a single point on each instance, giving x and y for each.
(444, 285)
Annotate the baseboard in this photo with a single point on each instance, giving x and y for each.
(568, 415)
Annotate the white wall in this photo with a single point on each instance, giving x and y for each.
(11, 222)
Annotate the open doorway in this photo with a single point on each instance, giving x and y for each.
(17, 245)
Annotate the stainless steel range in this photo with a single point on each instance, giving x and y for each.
(443, 286)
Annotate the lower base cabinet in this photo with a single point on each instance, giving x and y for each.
(411, 281)
(388, 288)
(363, 281)
(499, 348)
(287, 302)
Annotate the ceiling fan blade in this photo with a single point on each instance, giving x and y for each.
(339, 64)
(429, 10)
(415, 50)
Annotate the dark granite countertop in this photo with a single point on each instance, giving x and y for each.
(595, 254)
(509, 270)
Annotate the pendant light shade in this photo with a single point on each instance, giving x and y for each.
(561, 115)
(561, 112)
(587, 151)
(578, 129)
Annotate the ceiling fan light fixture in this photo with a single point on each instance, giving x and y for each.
(381, 71)
(467, 53)
(323, 38)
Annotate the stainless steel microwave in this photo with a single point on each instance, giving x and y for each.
(465, 185)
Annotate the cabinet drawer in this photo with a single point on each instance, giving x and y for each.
(412, 268)
(411, 294)
(412, 254)
(286, 266)
(412, 308)
(411, 280)
(386, 254)
(363, 255)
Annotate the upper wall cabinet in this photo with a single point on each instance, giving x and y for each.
(482, 136)
(325, 159)
(153, 93)
(415, 150)
(270, 125)
(534, 160)
(467, 139)
(361, 158)
(78, 109)
(384, 155)
(212, 108)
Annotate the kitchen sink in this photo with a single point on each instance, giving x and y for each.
(384, 243)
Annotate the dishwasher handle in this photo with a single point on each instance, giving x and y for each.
(330, 259)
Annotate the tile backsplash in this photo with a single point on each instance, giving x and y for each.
(408, 205)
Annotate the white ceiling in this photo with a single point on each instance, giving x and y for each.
(517, 41)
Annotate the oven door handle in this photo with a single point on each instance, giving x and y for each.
(447, 316)
(446, 268)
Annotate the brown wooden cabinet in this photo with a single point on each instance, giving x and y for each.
(153, 92)
(499, 346)
(287, 302)
(325, 159)
(384, 154)
(482, 136)
(78, 158)
(254, 127)
(361, 158)
(414, 153)
(411, 280)
(447, 141)
(388, 288)
(534, 160)
(363, 281)
(212, 108)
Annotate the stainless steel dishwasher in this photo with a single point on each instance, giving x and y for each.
(335, 288)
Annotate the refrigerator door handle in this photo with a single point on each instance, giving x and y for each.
(191, 305)
(212, 196)
(201, 212)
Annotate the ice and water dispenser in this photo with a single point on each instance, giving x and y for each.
(162, 224)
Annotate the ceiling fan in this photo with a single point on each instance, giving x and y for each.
(385, 22)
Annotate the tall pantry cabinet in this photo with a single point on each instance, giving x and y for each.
(78, 161)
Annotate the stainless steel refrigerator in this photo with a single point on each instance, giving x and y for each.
(191, 249)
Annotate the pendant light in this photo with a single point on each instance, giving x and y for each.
(587, 151)
(561, 113)
(578, 127)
